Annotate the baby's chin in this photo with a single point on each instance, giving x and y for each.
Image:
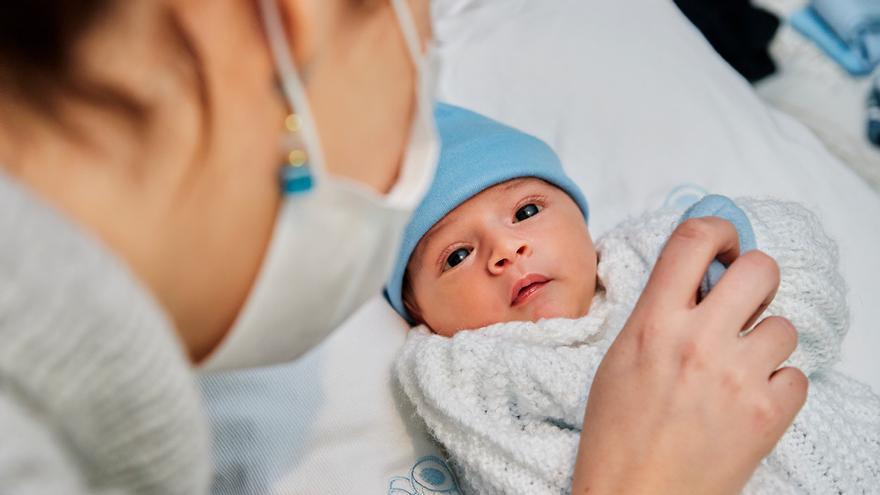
(552, 311)
(559, 299)
(555, 302)
(546, 310)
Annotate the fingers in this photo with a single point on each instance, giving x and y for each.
(788, 387)
(745, 290)
(771, 343)
(685, 258)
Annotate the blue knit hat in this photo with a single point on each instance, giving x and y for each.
(476, 153)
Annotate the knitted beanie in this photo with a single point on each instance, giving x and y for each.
(476, 153)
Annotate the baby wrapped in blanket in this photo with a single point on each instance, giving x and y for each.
(515, 308)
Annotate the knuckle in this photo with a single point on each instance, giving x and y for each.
(656, 336)
(765, 412)
(793, 386)
(693, 359)
(799, 383)
(694, 229)
(733, 380)
(781, 330)
(653, 329)
(763, 263)
(788, 332)
(689, 356)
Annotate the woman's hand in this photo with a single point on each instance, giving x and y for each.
(681, 403)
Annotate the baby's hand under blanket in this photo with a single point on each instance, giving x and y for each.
(714, 205)
(682, 403)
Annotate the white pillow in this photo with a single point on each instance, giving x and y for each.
(642, 112)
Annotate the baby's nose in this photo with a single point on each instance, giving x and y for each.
(506, 255)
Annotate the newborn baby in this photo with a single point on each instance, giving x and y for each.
(517, 251)
(516, 307)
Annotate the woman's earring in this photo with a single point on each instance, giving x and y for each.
(295, 175)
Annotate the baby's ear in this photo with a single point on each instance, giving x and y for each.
(409, 299)
(414, 312)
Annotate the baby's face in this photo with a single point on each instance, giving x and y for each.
(518, 251)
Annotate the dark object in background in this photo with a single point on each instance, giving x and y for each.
(874, 112)
(738, 31)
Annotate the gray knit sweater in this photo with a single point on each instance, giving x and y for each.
(95, 393)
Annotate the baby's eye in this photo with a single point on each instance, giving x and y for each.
(456, 257)
(527, 211)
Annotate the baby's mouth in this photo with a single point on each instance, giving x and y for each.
(525, 287)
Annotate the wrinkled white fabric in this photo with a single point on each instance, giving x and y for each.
(507, 400)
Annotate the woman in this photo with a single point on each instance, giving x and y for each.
(141, 144)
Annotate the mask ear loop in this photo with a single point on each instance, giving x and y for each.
(408, 27)
(414, 180)
(301, 145)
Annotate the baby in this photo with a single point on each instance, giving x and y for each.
(500, 248)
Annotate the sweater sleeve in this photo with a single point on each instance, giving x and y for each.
(32, 460)
(812, 292)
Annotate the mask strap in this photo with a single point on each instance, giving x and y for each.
(415, 177)
(295, 93)
(408, 27)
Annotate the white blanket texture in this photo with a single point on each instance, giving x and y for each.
(507, 401)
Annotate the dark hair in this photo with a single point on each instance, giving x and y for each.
(37, 39)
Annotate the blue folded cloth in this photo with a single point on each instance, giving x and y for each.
(847, 30)
(714, 205)
(856, 22)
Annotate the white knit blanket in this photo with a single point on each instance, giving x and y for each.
(507, 401)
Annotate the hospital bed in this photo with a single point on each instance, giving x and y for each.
(643, 114)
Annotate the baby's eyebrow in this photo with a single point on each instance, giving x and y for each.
(515, 184)
(422, 245)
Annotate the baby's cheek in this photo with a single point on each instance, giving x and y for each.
(476, 305)
(574, 292)
(586, 290)
(455, 307)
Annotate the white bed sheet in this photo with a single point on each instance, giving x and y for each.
(642, 112)
(635, 122)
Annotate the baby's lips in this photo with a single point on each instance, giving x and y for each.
(529, 279)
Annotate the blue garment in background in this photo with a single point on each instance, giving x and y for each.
(847, 30)
(856, 22)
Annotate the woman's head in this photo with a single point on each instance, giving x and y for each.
(156, 125)
(501, 213)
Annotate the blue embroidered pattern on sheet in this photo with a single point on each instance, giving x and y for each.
(684, 195)
(430, 475)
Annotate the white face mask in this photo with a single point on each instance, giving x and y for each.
(334, 244)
